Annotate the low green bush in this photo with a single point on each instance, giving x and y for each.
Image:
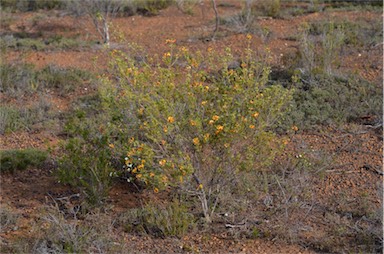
(87, 162)
(170, 220)
(332, 100)
(31, 5)
(361, 33)
(14, 118)
(12, 160)
(23, 79)
(163, 125)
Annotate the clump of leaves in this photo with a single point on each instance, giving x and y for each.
(23, 79)
(12, 160)
(172, 220)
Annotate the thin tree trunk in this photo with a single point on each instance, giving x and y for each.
(216, 19)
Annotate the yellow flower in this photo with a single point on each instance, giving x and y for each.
(200, 186)
(249, 36)
(215, 118)
(141, 166)
(181, 179)
(111, 146)
(211, 121)
(151, 174)
(165, 129)
(251, 126)
(171, 119)
(167, 54)
(164, 179)
(206, 137)
(226, 145)
(196, 141)
(209, 49)
(203, 103)
(162, 162)
(219, 128)
(155, 190)
(131, 140)
(183, 49)
(191, 122)
(206, 88)
(255, 115)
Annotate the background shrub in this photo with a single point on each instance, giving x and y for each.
(23, 79)
(12, 160)
(335, 100)
(158, 220)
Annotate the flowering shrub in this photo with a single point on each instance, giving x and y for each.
(190, 121)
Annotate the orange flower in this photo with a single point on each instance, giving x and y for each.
(295, 128)
(162, 162)
(219, 127)
(251, 126)
(170, 41)
(215, 118)
(196, 141)
(155, 190)
(171, 119)
(255, 115)
(193, 123)
(111, 146)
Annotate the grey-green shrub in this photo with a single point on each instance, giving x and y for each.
(12, 160)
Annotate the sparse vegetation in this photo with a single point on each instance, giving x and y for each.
(23, 79)
(268, 130)
(71, 235)
(171, 220)
(8, 218)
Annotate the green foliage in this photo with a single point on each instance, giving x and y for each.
(358, 34)
(13, 118)
(266, 8)
(31, 5)
(87, 162)
(188, 128)
(334, 100)
(172, 220)
(23, 41)
(58, 234)
(23, 79)
(150, 7)
(12, 160)
(8, 218)
(321, 57)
